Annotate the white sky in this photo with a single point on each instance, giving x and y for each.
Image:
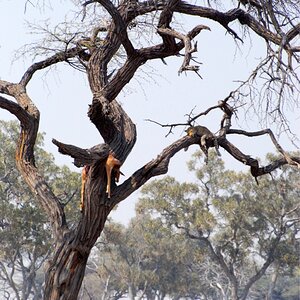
(63, 95)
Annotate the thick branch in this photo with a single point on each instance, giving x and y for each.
(120, 26)
(28, 116)
(256, 171)
(115, 126)
(160, 165)
(155, 167)
(164, 23)
(225, 18)
(141, 56)
(14, 109)
(83, 157)
(123, 76)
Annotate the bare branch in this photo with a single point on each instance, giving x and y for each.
(188, 45)
(58, 57)
(222, 104)
(120, 26)
(270, 133)
(28, 115)
(155, 167)
(225, 18)
(83, 157)
(14, 109)
(171, 126)
(164, 22)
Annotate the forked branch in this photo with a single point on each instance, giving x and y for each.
(222, 141)
(189, 50)
(159, 165)
(268, 131)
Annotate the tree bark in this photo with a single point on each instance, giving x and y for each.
(65, 271)
(273, 282)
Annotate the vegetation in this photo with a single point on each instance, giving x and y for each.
(103, 43)
(222, 237)
(24, 230)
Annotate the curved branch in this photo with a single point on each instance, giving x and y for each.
(225, 18)
(272, 136)
(140, 57)
(28, 116)
(160, 165)
(115, 126)
(120, 26)
(187, 45)
(58, 57)
(164, 23)
(14, 109)
(153, 168)
(256, 170)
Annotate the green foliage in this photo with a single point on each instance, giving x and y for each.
(146, 258)
(242, 227)
(24, 231)
(206, 240)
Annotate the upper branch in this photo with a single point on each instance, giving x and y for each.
(127, 71)
(58, 57)
(120, 25)
(14, 109)
(272, 136)
(225, 18)
(186, 39)
(164, 22)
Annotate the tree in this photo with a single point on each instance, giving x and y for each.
(24, 230)
(243, 228)
(146, 259)
(111, 45)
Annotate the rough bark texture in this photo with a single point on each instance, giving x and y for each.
(72, 247)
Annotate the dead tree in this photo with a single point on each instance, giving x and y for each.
(65, 270)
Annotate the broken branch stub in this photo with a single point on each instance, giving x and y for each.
(83, 157)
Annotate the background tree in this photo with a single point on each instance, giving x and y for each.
(243, 228)
(24, 230)
(146, 259)
(112, 45)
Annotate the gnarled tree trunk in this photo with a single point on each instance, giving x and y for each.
(71, 249)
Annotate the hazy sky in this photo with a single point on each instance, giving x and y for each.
(62, 95)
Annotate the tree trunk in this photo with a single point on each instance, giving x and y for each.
(65, 271)
(131, 292)
(67, 268)
(234, 293)
(272, 285)
(65, 274)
